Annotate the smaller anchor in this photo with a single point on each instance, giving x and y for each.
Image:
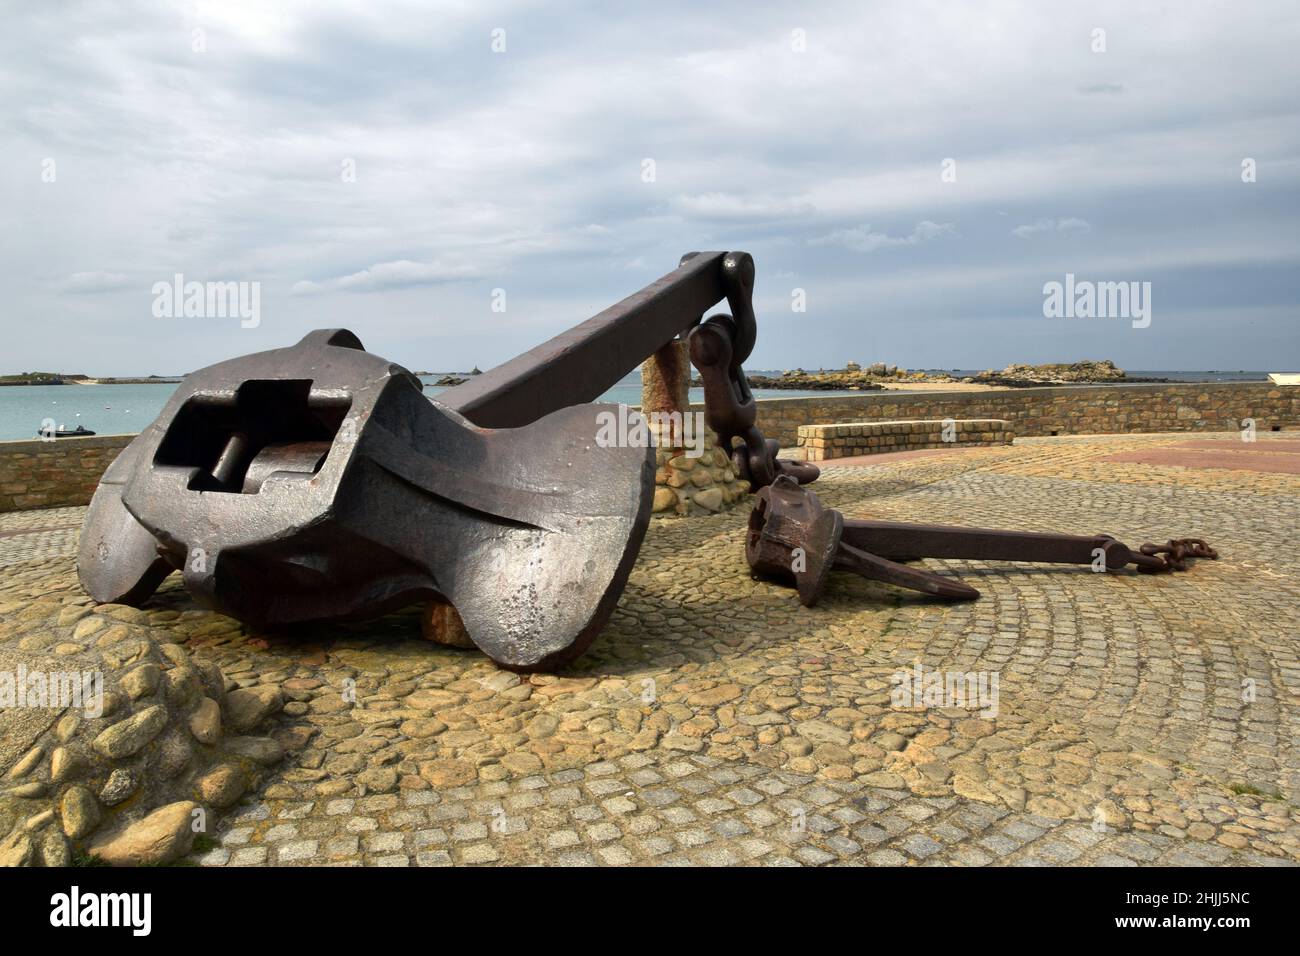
(793, 537)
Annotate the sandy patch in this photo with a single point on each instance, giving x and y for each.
(942, 387)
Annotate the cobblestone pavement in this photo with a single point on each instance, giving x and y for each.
(26, 535)
(1138, 720)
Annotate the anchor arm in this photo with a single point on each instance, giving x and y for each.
(578, 365)
(876, 568)
(901, 542)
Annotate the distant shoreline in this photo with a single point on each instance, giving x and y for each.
(882, 377)
(152, 380)
(80, 380)
(924, 379)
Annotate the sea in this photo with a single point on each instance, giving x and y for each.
(127, 409)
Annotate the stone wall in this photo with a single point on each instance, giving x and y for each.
(39, 474)
(54, 474)
(685, 484)
(824, 442)
(1069, 410)
(695, 486)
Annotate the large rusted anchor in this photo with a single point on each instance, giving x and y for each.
(318, 483)
(794, 538)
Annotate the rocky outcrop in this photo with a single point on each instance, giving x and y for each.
(853, 377)
(453, 378)
(1026, 376)
(117, 747)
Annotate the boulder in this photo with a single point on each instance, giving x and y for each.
(16, 849)
(221, 786)
(141, 681)
(162, 837)
(249, 706)
(262, 750)
(205, 722)
(129, 736)
(118, 787)
(80, 812)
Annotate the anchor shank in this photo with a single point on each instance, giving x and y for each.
(901, 542)
(578, 365)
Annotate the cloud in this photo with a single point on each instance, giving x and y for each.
(731, 206)
(1104, 89)
(91, 282)
(523, 170)
(388, 275)
(1039, 226)
(862, 239)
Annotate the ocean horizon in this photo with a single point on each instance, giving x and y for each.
(126, 409)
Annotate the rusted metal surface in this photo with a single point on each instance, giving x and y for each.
(1172, 555)
(580, 364)
(441, 624)
(719, 346)
(666, 379)
(793, 537)
(317, 483)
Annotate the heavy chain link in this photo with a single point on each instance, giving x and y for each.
(718, 346)
(1172, 555)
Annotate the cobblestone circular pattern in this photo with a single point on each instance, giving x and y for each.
(1140, 719)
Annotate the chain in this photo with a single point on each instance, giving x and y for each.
(718, 346)
(1172, 555)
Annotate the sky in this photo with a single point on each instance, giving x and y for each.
(920, 171)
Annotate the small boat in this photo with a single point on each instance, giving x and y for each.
(81, 431)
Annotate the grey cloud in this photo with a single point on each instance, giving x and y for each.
(388, 275)
(92, 282)
(522, 170)
(718, 205)
(862, 239)
(1038, 226)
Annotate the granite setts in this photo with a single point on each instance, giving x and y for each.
(1140, 720)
